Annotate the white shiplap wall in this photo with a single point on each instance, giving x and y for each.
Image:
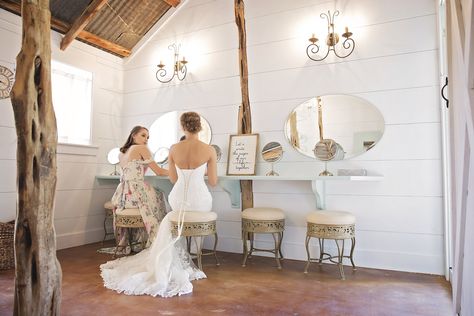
(79, 198)
(394, 66)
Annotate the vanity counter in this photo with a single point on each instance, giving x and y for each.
(231, 184)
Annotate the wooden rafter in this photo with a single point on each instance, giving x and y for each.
(173, 3)
(81, 22)
(63, 27)
(96, 40)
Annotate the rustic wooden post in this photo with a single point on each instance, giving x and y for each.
(245, 119)
(38, 273)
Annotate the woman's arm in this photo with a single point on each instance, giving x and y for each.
(173, 175)
(212, 167)
(145, 154)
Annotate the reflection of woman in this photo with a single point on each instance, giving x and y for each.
(133, 192)
(166, 269)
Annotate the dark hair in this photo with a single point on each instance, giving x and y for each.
(182, 138)
(191, 122)
(129, 142)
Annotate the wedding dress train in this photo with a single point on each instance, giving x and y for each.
(165, 268)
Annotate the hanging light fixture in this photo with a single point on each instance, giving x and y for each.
(179, 66)
(331, 40)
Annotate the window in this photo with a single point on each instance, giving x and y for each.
(72, 101)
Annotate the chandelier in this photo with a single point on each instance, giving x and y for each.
(179, 66)
(332, 39)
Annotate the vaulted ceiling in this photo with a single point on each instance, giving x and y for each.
(115, 26)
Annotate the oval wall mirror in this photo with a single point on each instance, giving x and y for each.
(218, 152)
(346, 125)
(166, 131)
(161, 156)
(272, 152)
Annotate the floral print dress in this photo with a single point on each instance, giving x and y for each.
(134, 192)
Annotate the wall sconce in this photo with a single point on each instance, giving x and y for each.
(331, 40)
(179, 70)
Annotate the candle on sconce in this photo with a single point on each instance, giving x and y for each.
(347, 29)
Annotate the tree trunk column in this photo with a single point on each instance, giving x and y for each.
(38, 273)
(245, 119)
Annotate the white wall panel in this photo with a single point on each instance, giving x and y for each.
(193, 45)
(393, 213)
(8, 172)
(385, 73)
(7, 118)
(7, 206)
(399, 219)
(263, 56)
(8, 140)
(209, 67)
(398, 74)
(193, 18)
(79, 196)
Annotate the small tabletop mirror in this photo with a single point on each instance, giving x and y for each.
(161, 156)
(218, 152)
(272, 152)
(113, 159)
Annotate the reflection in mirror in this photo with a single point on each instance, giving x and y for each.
(218, 152)
(166, 131)
(272, 152)
(161, 156)
(113, 159)
(352, 124)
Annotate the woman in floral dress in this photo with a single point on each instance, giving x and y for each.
(133, 192)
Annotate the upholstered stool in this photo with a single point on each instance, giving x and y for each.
(128, 218)
(109, 216)
(197, 225)
(335, 225)
(263, 220)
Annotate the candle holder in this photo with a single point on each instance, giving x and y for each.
(179, 69)
(331, 40)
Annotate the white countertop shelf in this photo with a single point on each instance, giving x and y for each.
(231, 184)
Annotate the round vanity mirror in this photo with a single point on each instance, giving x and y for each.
(334, 127)
(218, 152)
(166, 131)
(113, 159)
(161, 156)
(272, 152)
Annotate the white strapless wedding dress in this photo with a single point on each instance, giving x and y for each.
(164, 269)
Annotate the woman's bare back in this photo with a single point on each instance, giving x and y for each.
(190, 154)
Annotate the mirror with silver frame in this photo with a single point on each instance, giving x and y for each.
(161, 156)
(113, 159)
(334, 127)
(272, 152)
(218, 152)
(166, 130)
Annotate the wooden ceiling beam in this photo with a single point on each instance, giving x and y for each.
(105, 44)
(62, 27)
(81, 22)
(173, 3)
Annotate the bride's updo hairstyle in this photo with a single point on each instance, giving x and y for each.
(191, 122)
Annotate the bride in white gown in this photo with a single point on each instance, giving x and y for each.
(165, 268)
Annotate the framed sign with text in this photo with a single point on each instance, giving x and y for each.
(242, 154)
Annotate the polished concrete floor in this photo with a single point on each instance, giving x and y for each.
(258, 289)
